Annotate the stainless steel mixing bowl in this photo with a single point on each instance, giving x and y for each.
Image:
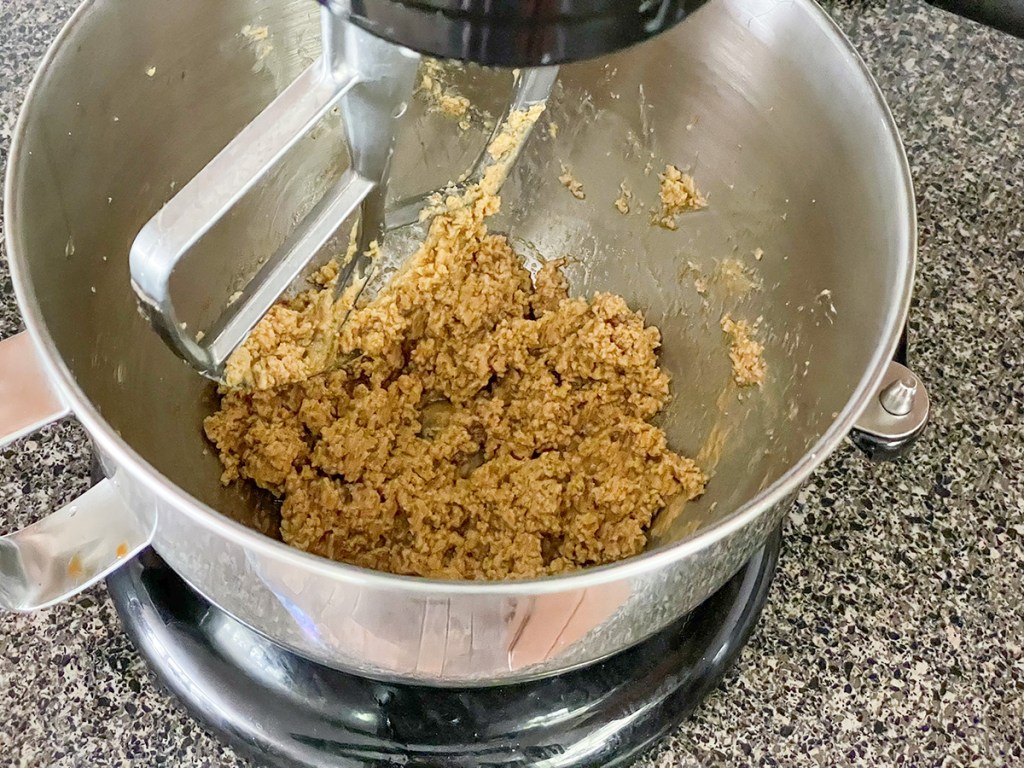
(764, 101)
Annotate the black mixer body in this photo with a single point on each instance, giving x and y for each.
(515, 33)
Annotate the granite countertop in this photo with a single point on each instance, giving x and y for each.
(894, 634)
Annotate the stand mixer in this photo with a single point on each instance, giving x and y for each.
(370, 51)
(377, 669)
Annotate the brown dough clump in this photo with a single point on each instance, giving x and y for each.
(482, 425)
(678, 193)
(746, 353)
(570, 182)
(622, 201)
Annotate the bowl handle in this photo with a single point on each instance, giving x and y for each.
(76, 545)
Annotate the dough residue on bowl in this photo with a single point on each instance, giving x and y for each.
(440, 96)
(745, 352)
(622, 201)
(570, 182)
(479, 423)
(678, 193)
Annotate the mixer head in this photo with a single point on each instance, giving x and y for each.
(515, 33)
(366, 77)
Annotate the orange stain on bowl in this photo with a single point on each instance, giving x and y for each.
(122, 549)
(75, 569)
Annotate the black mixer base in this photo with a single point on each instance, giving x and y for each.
(283, 710)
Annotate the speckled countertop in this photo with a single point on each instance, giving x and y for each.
(894, 634)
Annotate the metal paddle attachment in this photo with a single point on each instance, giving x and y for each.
(368, 80)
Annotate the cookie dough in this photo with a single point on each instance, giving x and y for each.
(478, 422)
(678, 193)
(570, 182)
(622, 201)
(441, 97)
(746, 353)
